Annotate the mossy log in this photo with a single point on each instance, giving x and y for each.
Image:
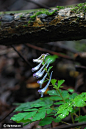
(43, 25)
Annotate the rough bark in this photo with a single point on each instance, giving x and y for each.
(43, 26)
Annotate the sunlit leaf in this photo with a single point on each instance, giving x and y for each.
(60, 82)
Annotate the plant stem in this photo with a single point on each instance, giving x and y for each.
(72, 117)
(65, 123)
(60, 95)
(79, 111)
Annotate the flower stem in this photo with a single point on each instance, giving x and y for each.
(72, 118)
(60, 95)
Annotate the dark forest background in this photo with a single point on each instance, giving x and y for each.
(17, 84)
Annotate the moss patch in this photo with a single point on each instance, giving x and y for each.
(81, 7)
(60, 7)
(44, 11)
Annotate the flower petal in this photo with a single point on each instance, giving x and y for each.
(42, 57)
(44, 89)
(38, 72)
(37, 67)
(42, 80)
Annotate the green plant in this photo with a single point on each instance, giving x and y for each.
(57, 106)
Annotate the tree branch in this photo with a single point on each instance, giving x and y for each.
(44, 25)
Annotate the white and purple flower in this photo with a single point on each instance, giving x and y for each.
(41, 71)
(41, 91)
(42, 57)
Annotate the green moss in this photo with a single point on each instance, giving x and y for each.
(60, 7)
(45, 11)
(81, 7)
(25, 25)
(21, 15)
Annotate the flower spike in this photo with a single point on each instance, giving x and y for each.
(41, 70)
(44, 89)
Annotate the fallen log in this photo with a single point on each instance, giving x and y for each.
(43, 25)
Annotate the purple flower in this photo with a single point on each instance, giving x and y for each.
(41, 91)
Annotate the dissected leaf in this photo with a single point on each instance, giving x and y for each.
(55, 98)
(72, 96)
(60, 82)
(49, 110)
(23, 106)
(53, 81)
(79, 101)
(24, 121)
(64, 109)
(53, 92)
(29, 115)
(38, 104)
(64, 114)
(64, 94)
(58, 103)
(39, 115)
(19, 116)
(31, 109)
(46, 121)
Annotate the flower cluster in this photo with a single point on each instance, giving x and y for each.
(40, 70)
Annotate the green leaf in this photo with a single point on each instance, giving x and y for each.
(53, 81)
(53, 92)
(58, 119)
(50, 57)
(50, 68)
(64, 109)
(39, 115)
(19, 116)
(55, 98)
(71, 90)
(64, 94)
(81, 118)
(38, 104)
(31, 109)
(64, 114)
(78, 101)
(23, 106)
(48, 102)
(46, 121)
(29, 115)
(72, 96)
(49, 110)
(24, 121)
(58, 103)
(60, 82)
